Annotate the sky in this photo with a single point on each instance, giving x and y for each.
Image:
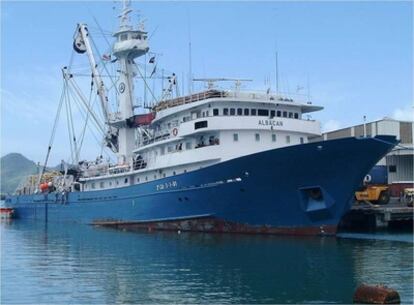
(354, 58)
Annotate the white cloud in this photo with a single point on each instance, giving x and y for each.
(404, 114)
(331, 125)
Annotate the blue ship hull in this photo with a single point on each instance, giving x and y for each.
(302, 189)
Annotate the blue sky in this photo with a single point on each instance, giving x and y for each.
(357, 56)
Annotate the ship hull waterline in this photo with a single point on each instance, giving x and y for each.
(302, 189)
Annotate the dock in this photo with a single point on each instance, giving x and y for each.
(373, 217)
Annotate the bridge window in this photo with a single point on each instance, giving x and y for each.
(246, 111)
(235, 137)
(273, 138)
(257, 136)
(232, 111)
(225, 111)
(123, 37)
(296, 115)
(253, 111)
(188, 145)
(278, 113)
(272, 113)
(201, 124)
(239, 111)
(285, 114)
(215, 112)
(126, 180)
(137, 179)
(263, 112)
(290, 115)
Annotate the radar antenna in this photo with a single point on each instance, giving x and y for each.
(212, 81)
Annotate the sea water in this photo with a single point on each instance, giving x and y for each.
(72, 263)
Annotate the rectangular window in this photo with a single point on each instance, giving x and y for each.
(273, 138)
(188, 145)
(285, 114)
(392, 168)
(246, 111)
(278, 113)
(101, 185)
(201, 124)
(272, 113)
(215, 112)
(239, 111)
(253, 112)
(296, 115)
(302, 140)
(162, 150)
(257, 136)
(287, 139)
(291, 115)
(263, 112)
(93, 185)
(137, 179)
(235, 137)
(232, 111)
(225, 111)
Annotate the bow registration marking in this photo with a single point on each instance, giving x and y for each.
(166, 185)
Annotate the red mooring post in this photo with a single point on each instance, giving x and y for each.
(377, 294)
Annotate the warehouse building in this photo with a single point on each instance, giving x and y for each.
(396, 168)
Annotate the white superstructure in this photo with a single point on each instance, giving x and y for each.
(185, 133)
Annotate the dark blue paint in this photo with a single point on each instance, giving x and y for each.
(270, 191)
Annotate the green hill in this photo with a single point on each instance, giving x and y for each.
(14, 168)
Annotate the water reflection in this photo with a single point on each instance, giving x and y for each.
(82, 264)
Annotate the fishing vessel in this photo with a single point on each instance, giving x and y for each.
(219, 160)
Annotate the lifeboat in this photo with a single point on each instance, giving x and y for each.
(141, 119)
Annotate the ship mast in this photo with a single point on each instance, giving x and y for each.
(130, 43)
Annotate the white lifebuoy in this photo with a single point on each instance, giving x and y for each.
(175, 132)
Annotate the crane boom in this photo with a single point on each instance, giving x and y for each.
(81, 45)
